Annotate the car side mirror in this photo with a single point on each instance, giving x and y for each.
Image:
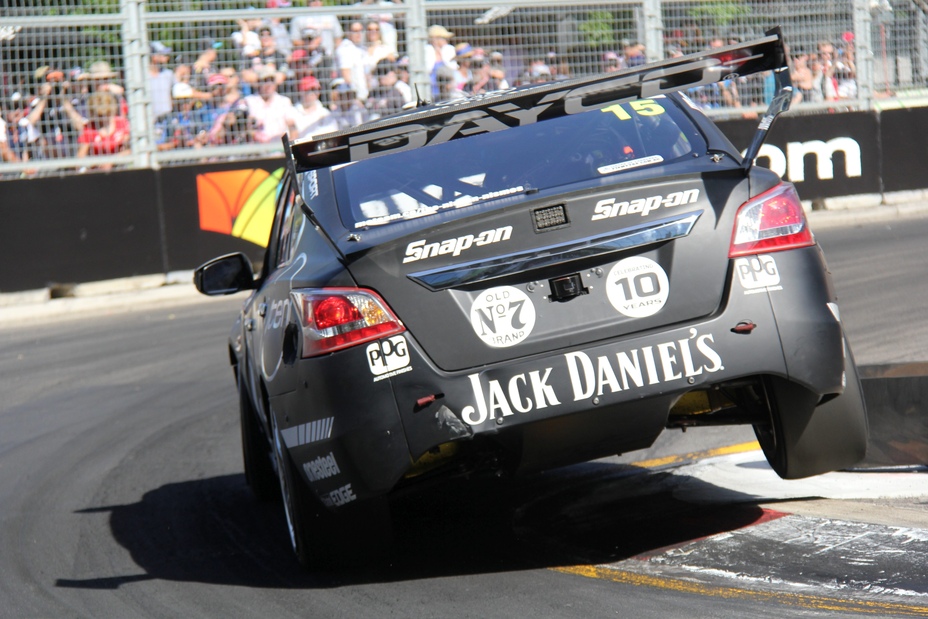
(225, 275)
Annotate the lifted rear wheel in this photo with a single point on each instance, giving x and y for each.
(805, 438)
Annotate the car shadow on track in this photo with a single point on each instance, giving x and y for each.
(213, 530)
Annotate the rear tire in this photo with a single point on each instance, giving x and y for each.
(358, 534)
(256, 453)
(805, 439)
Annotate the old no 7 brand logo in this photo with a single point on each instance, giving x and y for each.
(502, 316)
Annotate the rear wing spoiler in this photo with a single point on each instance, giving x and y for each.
(496, 111)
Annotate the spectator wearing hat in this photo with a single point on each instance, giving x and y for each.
(313, 118)
(327, 28)
(439, 53)
(160, 80)
(350, 60)
(464, 74)
(271, 113)
(99, 77)
(106, 131)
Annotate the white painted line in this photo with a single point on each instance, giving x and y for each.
(749, 475)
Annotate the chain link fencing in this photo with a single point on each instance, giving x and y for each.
(97, 85)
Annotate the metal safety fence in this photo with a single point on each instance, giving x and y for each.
(88, 85)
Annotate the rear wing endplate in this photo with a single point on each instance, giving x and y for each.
(516, 107)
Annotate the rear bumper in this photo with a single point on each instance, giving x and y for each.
(389, 405)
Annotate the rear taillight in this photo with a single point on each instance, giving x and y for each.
(773, 221)
(337, 318)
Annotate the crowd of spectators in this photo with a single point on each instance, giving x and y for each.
(317, 73)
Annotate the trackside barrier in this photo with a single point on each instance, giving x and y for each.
(97, 226)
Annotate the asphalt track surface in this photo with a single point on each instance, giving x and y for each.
(121, 491)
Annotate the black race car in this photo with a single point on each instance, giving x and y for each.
(528, 279)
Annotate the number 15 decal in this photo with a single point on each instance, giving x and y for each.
(643, 107)
(637, 287)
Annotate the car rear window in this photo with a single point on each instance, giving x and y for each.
(462, 173)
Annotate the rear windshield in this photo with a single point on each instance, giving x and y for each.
(479, 170)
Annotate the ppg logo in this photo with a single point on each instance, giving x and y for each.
(388, 355)
(757, 272)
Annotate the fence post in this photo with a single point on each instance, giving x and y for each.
(863, 56)
(416, 40)
(653, 30)
(135, 51)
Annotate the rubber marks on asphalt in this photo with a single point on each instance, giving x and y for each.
(821, 563)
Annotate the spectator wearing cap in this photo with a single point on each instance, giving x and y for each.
(304, 28)
(539, 71)
(498, 69)
(486, 78)
(272, 114)
(160, 80)
(447, 88)
(247, 42)
(279, 29)
(402, 79)
(313, 118)
(347, 110)
(208, 110)
(45, 127)
(385, 98)
(270, 54)
(204, 66)
(612, 62)
(6, 152)
(231, 124)
(184, 74)
(350, 60)
(182, 128)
